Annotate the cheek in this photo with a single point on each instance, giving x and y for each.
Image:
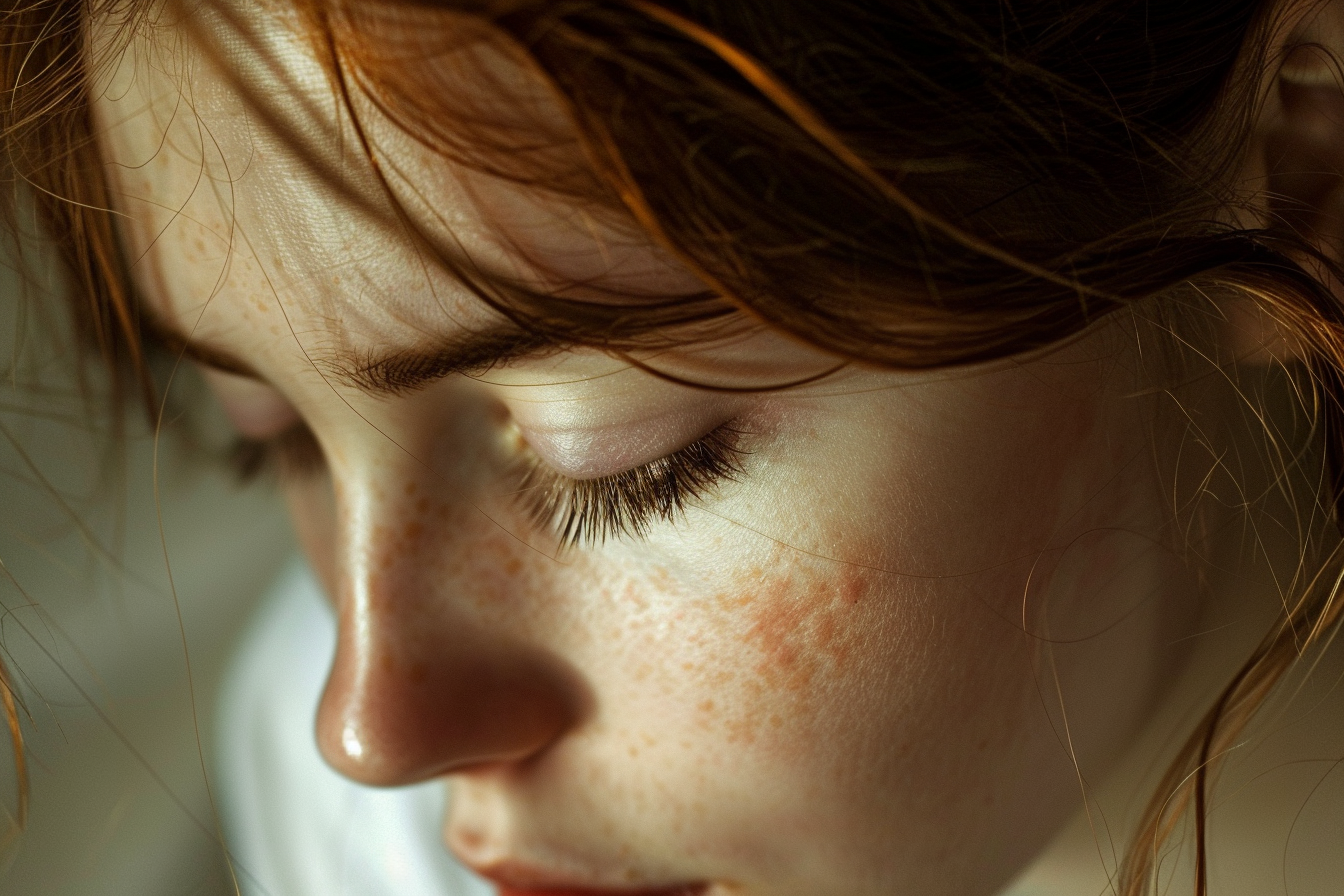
(794, 659)
(846, 705)
(804, 634)
(852, 653)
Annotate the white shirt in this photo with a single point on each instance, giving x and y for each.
(295, 827)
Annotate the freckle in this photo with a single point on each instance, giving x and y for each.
(688, 666)
(513, 566)
(471, 840)
(729, 601)
(412, 530)
(418, 672)
(409, 488)
(852, 586)
(776, 624)
(707, 706)
(422, 505)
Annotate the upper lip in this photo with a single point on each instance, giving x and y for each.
(522, 880)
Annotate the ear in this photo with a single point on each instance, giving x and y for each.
(1295, 164)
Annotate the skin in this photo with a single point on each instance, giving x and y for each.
(880, 661)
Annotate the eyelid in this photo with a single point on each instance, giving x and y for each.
(258, 411)
(585, 512)
(292, 454)
(600, 448)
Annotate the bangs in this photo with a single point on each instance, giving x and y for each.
(930, 217)
(475, 103)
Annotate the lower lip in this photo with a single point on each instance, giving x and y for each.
(688, 890)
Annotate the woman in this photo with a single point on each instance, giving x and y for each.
(749, 448)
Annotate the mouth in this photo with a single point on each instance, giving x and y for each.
(686, 890)
(515, 880)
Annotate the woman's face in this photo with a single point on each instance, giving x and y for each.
(875, 658)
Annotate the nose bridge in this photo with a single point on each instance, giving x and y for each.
(421, 685)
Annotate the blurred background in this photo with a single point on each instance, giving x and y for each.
(93, 574)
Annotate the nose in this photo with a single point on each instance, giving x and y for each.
(423, 683)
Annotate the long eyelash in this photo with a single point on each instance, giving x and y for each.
(589, 511)
(292, 454)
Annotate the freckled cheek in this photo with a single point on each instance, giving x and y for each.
(826, 669)
(766, 663)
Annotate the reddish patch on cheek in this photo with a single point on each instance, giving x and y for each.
(853, 586)
(806, 625)
(802, 624)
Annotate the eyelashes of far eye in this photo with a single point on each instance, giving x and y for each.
(580, 512)
(586, 512)
(294, 454)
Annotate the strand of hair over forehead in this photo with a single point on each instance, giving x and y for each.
(1052, 305)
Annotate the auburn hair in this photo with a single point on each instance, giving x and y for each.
(909, 184)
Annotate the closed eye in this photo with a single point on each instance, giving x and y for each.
(293, 454)
(580, 512)
(586, 512)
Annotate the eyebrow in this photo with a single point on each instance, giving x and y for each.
(395, 372)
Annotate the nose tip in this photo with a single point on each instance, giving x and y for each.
(391, 715)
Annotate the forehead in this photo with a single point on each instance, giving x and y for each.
(246, 191)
